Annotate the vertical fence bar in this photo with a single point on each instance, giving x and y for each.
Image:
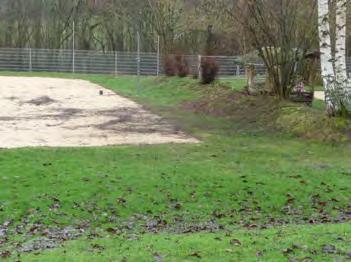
(138, 60)
(158, 55)
(30, 60)
(116, 63)
(73, 49)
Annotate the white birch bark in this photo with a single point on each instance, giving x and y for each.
(342, 81)
(327, 68)
(340, 53)
(340, 40)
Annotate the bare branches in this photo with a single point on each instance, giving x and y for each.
(276, 32)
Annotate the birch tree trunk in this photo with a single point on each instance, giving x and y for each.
(327, 68)
(340, 41)
(342, 80)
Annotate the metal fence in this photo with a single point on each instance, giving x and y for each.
(79, 61)
(124, 63)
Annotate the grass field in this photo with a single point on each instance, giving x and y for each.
(243, 194)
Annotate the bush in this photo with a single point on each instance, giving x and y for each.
(209, 70)
(315, 125)
(182, 66)
(170, 69)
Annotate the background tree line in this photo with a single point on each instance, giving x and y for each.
(187, 26)
(107, 24)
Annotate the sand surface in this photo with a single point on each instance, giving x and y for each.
(319, 95)
(49, 112)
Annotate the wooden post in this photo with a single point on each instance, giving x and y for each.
(251, 78)
(237, 70)
(199, 66)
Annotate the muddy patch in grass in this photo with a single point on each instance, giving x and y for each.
(26, 237)
(51, 238)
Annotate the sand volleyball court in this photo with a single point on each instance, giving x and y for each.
(50, 112)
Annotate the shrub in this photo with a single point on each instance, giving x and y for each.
(182, 66)
(209, 70)
(170, 69)
(309, 123)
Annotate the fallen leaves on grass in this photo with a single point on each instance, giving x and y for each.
(195, 254)
(235, 242)
(113, 231)
(155, 225)
(39, 244)
(5, 254)
(158, 257)
(329, 249)
(97, 248)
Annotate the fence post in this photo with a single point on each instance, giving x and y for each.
(116, 63)
(73, 61)
(73, 49)
(138, 62)
(237, 70)
(30, 59)
(158, 56)
(199, 66)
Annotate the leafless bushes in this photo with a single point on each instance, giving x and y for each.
(176, 65)
(278, 31)
(209, 70)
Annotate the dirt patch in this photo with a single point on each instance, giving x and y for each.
(52, 238)
(319, 95)
(50, 112)
(43, 100)
(246, 111)
(268, 114)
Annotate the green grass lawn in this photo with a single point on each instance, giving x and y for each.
(240, 195)
(319, 105)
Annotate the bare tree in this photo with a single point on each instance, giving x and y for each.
(275, 32)
(167, 15)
